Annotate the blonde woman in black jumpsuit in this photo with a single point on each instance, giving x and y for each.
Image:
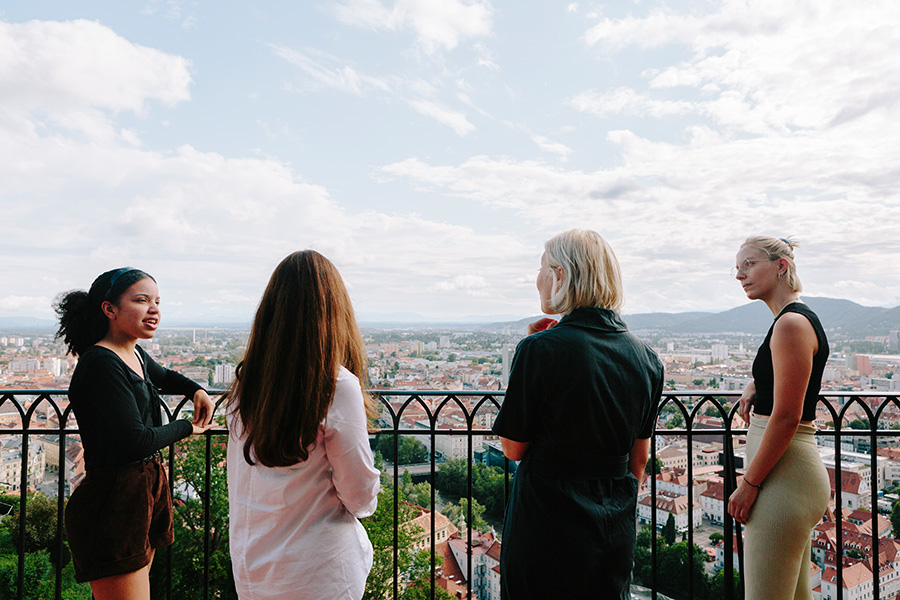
(579, 413)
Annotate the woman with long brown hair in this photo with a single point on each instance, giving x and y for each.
(300, 469)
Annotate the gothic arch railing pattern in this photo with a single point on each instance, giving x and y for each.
(27, 413)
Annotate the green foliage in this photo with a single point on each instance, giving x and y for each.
(668, 530)
(39, 579)
(859, 424)
(654, 466)
(676, 421)
(40, 526)
(40, 552)
(717, 586)
(415, 493)
(895, 519)
(412, 565)
(187, 570)
(674, 569)
(854, 553)
(488, 484)
(711, 411)
(459, 512)
(715, 537)
(419, 576)
(411, 451)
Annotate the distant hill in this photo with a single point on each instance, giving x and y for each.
(838, 316)
(842, 317)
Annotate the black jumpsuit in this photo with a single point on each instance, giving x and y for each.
(580, 394)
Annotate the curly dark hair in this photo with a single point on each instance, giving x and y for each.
(81, 320)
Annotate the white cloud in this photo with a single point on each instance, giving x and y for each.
(473, 285)
(769, 66)
(436, 23)
(442, 114)
(327, 71)
(70, 67)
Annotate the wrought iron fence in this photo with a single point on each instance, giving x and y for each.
(472, 410)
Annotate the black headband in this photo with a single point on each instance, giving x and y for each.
(115, 277)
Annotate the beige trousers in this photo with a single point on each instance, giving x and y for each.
(792, 501)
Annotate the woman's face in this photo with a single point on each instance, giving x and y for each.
(756, 273)
(544, 284)
(137, 312)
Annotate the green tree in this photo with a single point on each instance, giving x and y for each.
(410, 451)
(39, 579)
(715, 537)
(488, 484)
(459, 512)
(717, 586)
(416, 493)
(412, 566)
(191, 491)
(859, 424)
(676, 421)
(40, 525)
(668, 530)
(654, 466)
(895, 519)
(674, 571)
(419, 575)
(451, 477)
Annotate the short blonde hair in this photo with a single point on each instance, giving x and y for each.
(776, 248)
(591, 274)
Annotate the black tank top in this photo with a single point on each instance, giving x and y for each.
(764, 376)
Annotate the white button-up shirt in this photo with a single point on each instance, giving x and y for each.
(294, 531)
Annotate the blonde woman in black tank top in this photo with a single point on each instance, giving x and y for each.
(785, 489)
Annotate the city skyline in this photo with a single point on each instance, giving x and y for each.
(429, 148)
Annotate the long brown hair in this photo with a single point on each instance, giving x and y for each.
(304, 329)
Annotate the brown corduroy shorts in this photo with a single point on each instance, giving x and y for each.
(116, 517)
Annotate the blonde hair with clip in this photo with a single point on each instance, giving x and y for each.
(775, 249)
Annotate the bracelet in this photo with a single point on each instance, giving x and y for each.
(747, 481)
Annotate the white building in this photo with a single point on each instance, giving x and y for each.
(670, 504)
(224, 373)
(713, 503)
(485, 582)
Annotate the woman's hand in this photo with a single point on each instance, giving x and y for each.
(199, 429)
(203, 409)
(741, 502)
(541, 324)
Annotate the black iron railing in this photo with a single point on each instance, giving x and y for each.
(473, 410)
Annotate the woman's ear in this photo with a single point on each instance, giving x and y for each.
(108, 309)
(783, 267)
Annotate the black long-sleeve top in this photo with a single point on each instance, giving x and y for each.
(118, 412)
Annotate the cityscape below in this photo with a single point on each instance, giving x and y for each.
(471, 361)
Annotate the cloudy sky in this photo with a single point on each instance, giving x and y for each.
(430, 147)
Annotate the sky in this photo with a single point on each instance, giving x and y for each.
(430, 147)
